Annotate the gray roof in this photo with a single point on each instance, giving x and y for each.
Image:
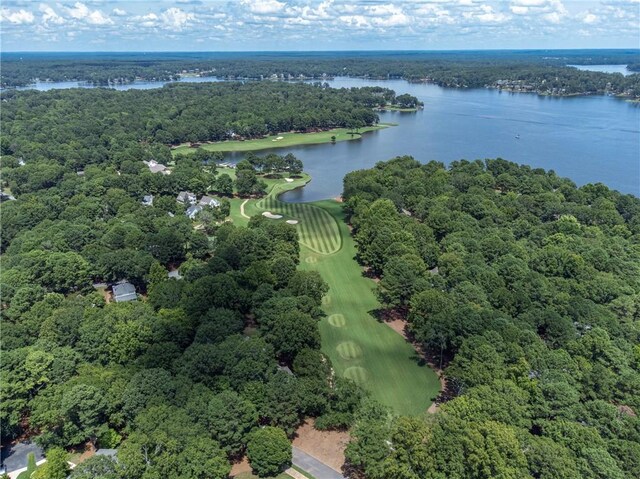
(209, 201)
(124, 292)
(193, 210)
(106, 452)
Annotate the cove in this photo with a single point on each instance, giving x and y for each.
(588, 139)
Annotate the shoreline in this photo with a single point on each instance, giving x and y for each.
(283, 140)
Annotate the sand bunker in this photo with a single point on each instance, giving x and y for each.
(289, 180)
(292, 222)
(271, 216)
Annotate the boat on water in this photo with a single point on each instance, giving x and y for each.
(517, 137)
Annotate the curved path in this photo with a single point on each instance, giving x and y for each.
(242, 209)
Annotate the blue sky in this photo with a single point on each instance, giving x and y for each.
(254, 25)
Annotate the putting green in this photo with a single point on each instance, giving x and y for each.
(317, 229)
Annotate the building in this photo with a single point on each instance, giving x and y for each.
(193, 210)
(209, 201)
(124, 292)
(186, 197)
(147, 200)
(155, 167)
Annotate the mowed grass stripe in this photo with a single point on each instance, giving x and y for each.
(380, 359)
(321, 231)
(318, 236)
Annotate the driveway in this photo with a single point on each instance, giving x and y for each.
(313, 466)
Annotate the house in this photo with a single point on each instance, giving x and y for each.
(124, 292)
(107, 452)
(208, 201)
(155, 167)
(147, 200)
(186, 197)
(193, 210)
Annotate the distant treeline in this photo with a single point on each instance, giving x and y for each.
(450, 69)
(81, 127)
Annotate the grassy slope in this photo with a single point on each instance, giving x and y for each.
(359, 346)
(288, 139)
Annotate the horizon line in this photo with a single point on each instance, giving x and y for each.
(634, 48)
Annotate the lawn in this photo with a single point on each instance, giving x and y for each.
(286, 139)
(360, 347)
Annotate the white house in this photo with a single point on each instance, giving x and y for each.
(192, 211)
(209, 201)
(186, 197)
(147, 200)
(155, 167)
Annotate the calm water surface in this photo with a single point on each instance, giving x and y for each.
(604, 68)
(588, 139)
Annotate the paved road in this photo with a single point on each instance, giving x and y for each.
(313, 466)
(15, 456)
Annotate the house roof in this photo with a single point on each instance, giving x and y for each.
(193, 210)
(124, 292)
(106, 452)
(208, 200)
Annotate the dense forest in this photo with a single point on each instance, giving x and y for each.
(224, 353)
(450, 69)
(80, 127)
(526, 290)
(224, 356)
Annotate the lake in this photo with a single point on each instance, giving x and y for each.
(604, 68)
(588, 139)
(136, 85)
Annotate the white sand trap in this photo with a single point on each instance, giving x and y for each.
(271, 216)
(289, 180)
(280, 138)
(292, 222)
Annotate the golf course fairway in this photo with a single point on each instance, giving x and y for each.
(360, 347)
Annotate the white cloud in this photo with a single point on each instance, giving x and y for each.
(17, 17)
(49, 15)
(176, 18)
(80, 11)
(529, 3)
(590, 18)
(119, 12)
(263, 7)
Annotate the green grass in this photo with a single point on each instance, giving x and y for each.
(288, 139)
(360, 347)
(399, 108)
(31, 467)
(317, 229)
(303, 472)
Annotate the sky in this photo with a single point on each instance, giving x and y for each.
(304, 25)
